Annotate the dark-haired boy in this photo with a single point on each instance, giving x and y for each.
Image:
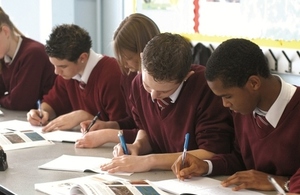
(87, 83)
(266, 114)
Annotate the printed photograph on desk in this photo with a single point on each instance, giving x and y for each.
(10, 140)
(99, 184)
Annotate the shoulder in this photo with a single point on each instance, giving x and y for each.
(31, 46)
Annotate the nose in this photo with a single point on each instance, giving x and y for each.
(154, 94)
(226, 103)
(57, 71)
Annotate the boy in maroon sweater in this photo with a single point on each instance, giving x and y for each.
(167, 72)
(87, 83)
(266, 119)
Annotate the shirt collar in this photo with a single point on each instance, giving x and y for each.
(274, 113)
(7, 59)
(91, 63)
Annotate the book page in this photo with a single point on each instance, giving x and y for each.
(25, 139)
(79, 164)
(58, 135)
(99, 184)
(199, 185)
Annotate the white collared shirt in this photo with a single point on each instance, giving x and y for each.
(94, 58)
(7, 59)
(274, 113)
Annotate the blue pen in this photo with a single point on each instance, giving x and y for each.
(123, 143)
(185, 147)
(40, 110)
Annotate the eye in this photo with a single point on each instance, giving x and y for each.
(227, 97)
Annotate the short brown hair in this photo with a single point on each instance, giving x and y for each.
(167, 57)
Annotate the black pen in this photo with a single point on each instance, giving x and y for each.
(93, 122)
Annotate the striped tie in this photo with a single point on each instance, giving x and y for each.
(163, 103)
(261, 121)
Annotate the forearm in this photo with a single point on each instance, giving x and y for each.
(165, 161)
(162, 161)
(111, 125)
(142, 143)
(47, 108)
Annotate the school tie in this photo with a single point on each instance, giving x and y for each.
(82, 85)
(163, 103)
(261, 121)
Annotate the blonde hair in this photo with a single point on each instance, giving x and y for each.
(4, 20)
(133, 33)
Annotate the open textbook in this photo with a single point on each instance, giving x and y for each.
(79, 164)
(59, 135)
(99, 184)
(10, 140)
(199, 185)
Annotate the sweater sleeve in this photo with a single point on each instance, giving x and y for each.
(295, 182)
(227, 164)
(214, 124)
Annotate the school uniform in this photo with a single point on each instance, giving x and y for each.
(194, 109)
(294, 185)
(273, 148)
(25, 77)
(98, 89)
(127, 124)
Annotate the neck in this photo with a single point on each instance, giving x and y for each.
(13, 45)
(270, 91)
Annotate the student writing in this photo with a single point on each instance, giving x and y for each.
(129, 40)
(169, 99)
(265, 110)
(88, 82)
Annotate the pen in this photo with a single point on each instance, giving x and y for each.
(93, 122)
(123, 143)
(276, 185)
(185, 147)
(40, 110)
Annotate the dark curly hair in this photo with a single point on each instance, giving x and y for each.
(234, 61)
(167, 57)
(68, 41)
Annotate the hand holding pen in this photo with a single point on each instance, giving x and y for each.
(40, 111)
(276, 185)
(185, 147)
(123, 143)
(93, 122)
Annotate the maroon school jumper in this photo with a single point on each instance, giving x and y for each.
(29, 76)
(273, 151)
(127, 124)
(295, 182)
(196, 111)
(101, 93)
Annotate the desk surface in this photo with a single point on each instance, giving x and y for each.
(23, 164)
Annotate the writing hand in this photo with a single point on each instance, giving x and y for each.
(251, 179)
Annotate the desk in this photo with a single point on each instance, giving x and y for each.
(23, 164)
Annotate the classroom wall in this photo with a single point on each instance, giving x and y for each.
(35, 18)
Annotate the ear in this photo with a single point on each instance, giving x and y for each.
(6, 30)
(254, 82)
(188, 75)
(83, 58)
